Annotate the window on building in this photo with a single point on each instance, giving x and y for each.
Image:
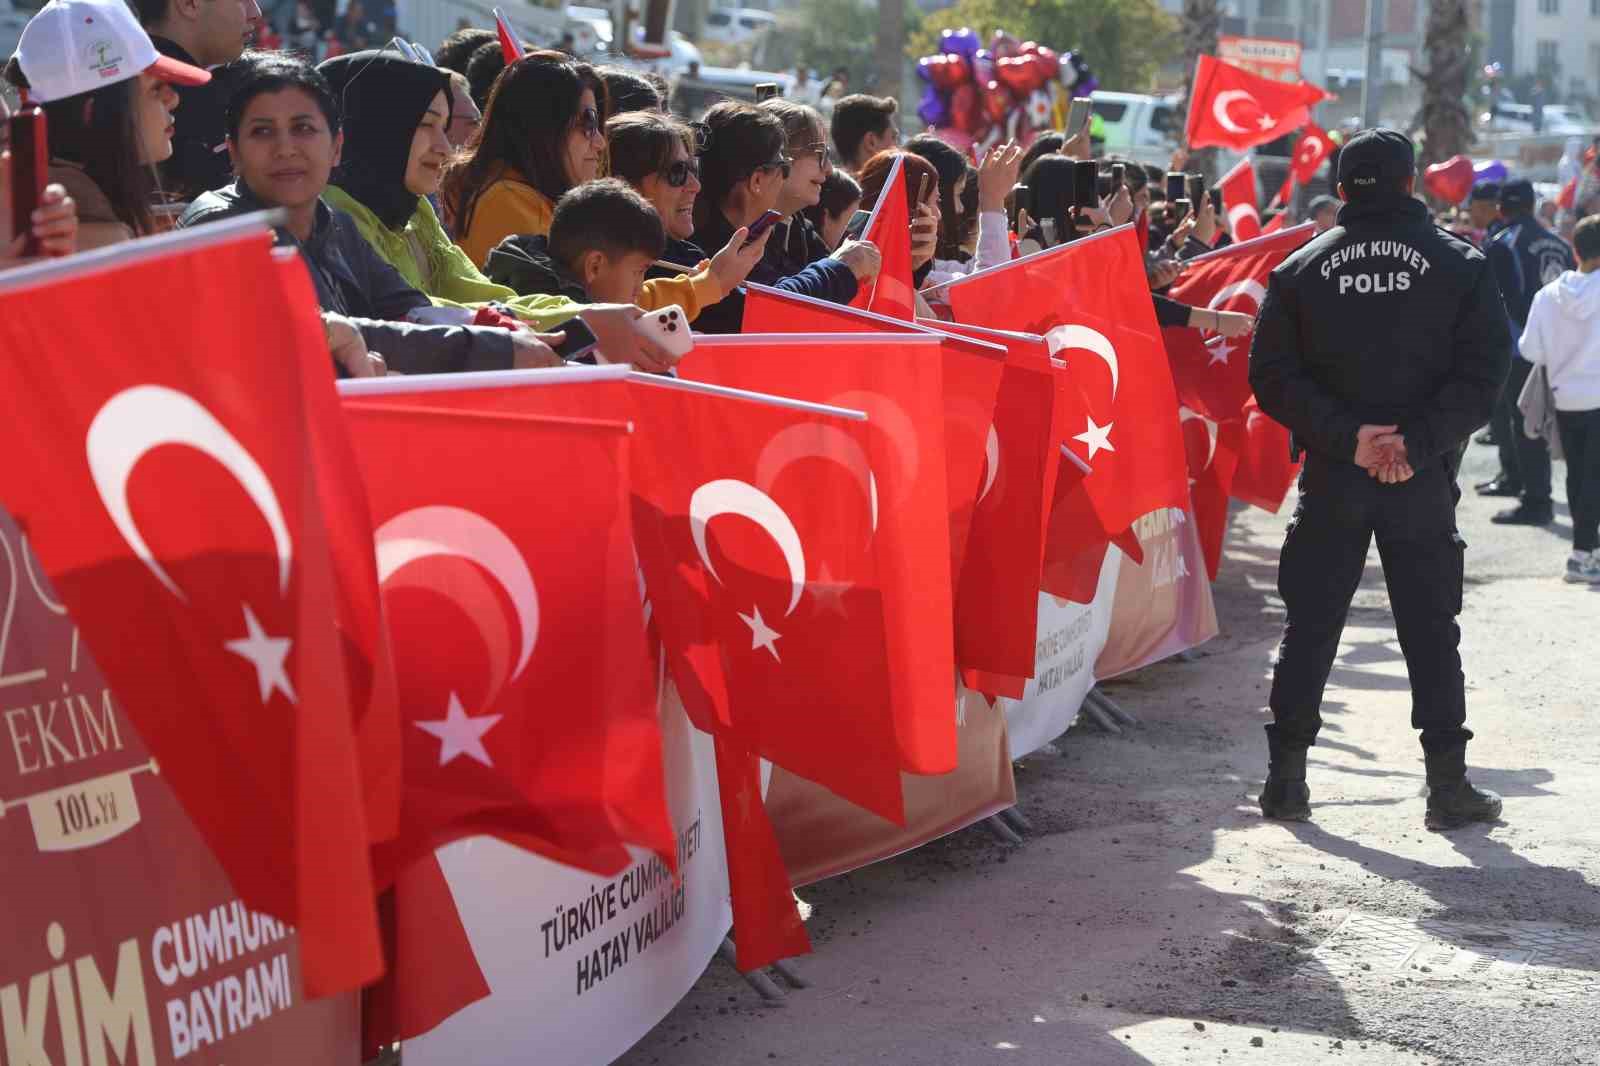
(1546, 52)
(1549, 7)
(1274, 9)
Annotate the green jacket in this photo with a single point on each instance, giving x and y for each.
(451, 280)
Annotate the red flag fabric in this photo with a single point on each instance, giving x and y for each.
(1211, 463)
(892, 292)
(1213, 372)
(1264, 471)
(510, 47)
(898, 380)
(766, 921)
(1276, 224)
(1091, 302)
(1239, 200)
(487, 592)
(1233, 108)
(169, 494)
(754, 524)
(1313, 147)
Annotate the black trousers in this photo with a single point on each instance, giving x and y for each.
(1580, 440)
(1341, 510)
(1524, 462)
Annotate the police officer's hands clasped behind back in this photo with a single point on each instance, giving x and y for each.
(1382, 344)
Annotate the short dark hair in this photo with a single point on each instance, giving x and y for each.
(1043, 145)
(607, 216)
(840, 193)
(459, 47)
(628, 90)
(483, 67)
(642, 143)
(857, 115)
(150, 12)
(1586, 237)
(257, 73)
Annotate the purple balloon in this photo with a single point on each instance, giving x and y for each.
(963, 42)
(983, 66)
(933, 109)
(1489, 170)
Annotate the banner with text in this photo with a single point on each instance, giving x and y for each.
(580, 968)
(121, 939)
(1164, 606)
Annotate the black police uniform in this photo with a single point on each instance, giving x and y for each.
(1385, 319)
(1525, 257)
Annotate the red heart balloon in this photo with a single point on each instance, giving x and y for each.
(997, 101)
(1020, 74)
(947, 72)
(966, 114)
(1449, 181)
(1049, 60)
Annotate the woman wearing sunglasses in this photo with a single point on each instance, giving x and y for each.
(654, 153)
(745, 169)
(543, 132)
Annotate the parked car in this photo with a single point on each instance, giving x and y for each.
(1141, 127)
(738, 25)
(1559, 119)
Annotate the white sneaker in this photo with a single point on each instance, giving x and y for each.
(1583, 568)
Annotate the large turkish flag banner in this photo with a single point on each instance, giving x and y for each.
(1233, 108)
(167, 484)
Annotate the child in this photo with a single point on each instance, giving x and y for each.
(603, 237)
(1563, 336)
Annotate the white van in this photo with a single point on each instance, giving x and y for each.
(738, 25)
(1141, 127)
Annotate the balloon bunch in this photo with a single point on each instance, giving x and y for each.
(1451, 180)
(977, 96)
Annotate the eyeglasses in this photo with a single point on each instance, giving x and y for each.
(820, 149)
(588, 122)
(679, 171)
(783, 163)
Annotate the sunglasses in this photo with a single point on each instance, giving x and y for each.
(820, 149)
(783, 163)
(588, 122)
(679, 171)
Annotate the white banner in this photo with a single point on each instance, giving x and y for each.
(1071, 636)
(580, 968)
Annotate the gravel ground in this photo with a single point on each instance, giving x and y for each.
(1152, 916)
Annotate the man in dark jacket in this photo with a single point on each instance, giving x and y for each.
(795, 260)
(353, 281)
(1525, 257)
(1381, 345)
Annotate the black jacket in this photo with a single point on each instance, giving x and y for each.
(1384, 319)
(780, 267)
(1526, 257)
(523, 263)
(199, 159)
(352, 279)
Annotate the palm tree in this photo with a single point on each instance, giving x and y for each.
(1445, 121)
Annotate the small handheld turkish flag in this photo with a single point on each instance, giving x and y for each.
(166, 484)
(1265, 467)
(892, 292)
(1239, 200)
(1229, 107)
(510, 47)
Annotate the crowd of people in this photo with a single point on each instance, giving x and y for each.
(452, 217)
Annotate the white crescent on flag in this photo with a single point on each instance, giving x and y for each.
(1243, 211)
(1061, 338)
(889, 417)
(813, 439)
(1184, 415)
(455, 531)
(991, 460)
(1248, 287)
(731, 496)
(143, 417)
(1219, 109)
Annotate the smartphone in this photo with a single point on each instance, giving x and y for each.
(1197, 187)
(766, 90)
(580, 339)
(1180, 209)
(30, 167)
(762, 224)
(1216, 200)
(1077, 116)
(1177, 185)
(1085, 183)
(1119, 176)
(922, 193)
(1104, 186)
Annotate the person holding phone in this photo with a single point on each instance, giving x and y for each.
(996, 175)
(54, 220)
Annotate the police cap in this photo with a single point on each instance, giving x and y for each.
(1517, 195)
(1485, 191)
(1375, 161)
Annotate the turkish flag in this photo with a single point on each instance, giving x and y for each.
(1239, 201)
(510, 47)
(1212, 371)
(898, 380)
(892, 292)
(1265, 470)
(1229, 107)
(1091, 302)
(1313, 147)
(1211, 464)
(168, 487)
(488, 590)
(1276, 224)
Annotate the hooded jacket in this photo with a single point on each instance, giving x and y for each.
(1563, 336)
(524, 264)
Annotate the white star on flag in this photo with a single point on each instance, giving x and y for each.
(829, 593)
(267, 654)
(1266, 121)
(1220, 352)
(761, 634)
(1096, 438)
(459, 733)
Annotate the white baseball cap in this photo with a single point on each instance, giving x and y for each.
(77, 46)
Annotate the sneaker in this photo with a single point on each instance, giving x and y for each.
(1583, 568)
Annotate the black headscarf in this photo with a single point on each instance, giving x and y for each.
(383, 97)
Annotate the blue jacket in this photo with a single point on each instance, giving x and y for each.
(1525, 258)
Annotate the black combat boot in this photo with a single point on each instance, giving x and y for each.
(1452, 801)
(1285, 796)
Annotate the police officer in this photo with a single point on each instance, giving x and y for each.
(1381, 344)
(1525, 257)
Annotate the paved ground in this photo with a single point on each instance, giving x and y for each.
(1153, 917)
